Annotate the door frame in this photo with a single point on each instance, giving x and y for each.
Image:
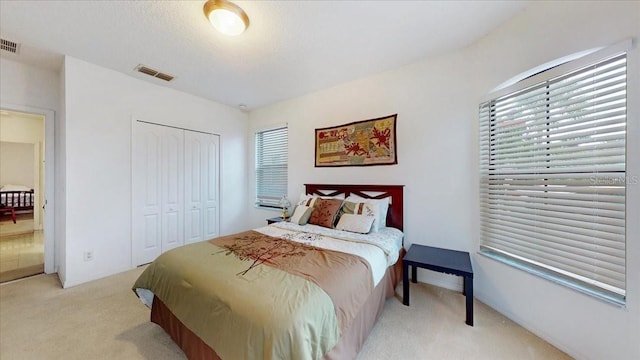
(50, 265)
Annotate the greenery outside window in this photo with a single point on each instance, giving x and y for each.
(553, 174)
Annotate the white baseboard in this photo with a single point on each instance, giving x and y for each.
(87, 278)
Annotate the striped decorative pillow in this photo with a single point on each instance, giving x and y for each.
(363, 208)
(301, 215)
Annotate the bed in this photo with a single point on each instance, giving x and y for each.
(18, 197)
(283, 291)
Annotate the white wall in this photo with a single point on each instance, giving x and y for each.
(61, 181)
(23, 84)
(22, 128)
(433, 146)
(99, 106)
(17, 164)
(28, 88)
(437, 101)
(582, 326)
(27, 168)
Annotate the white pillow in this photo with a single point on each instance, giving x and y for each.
(355, 223)
(309, 200)
(301, 215)
(304, 200)
(365, 209)
(381, 205)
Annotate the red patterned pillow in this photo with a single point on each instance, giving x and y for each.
(325, 211)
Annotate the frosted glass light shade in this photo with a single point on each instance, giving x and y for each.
(226, 17)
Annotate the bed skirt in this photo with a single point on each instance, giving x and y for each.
(348, 347)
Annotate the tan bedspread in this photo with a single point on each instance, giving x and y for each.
(252, 296)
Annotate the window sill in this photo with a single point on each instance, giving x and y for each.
(601, 295)
(268, 208)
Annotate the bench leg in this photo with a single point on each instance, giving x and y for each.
(468, 292)
(464, 285)
(405, 283)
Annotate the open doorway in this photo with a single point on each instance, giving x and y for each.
(22, 184)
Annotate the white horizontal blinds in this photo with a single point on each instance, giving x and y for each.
(271, 166)
(552, 163)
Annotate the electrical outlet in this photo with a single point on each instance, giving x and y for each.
(88, 255)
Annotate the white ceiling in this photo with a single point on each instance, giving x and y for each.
(291, 47)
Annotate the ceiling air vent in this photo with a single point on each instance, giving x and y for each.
(155, 73)
(163, 76)
(9, 46)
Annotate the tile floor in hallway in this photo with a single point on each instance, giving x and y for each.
(21, 250)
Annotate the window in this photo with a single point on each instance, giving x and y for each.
(552, 175)
(271, 166)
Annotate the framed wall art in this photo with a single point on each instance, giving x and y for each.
(360, 143)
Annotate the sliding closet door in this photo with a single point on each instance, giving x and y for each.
(193, 184)
(147, 192)
(211, 193)
(158, 190)
(175, 189)
(172, 188)
(201, 186)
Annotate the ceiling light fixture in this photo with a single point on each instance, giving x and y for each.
(226, 17)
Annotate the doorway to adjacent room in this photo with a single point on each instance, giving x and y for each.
(22, 184)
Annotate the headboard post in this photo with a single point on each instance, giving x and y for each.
(396, 192)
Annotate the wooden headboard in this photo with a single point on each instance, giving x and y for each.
(394, 214)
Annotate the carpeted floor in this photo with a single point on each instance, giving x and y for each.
(103, 319)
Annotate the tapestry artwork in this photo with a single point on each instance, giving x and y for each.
(361, 143)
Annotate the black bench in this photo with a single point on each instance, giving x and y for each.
(441, 260)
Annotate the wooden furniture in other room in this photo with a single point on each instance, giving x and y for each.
(17, 200)
(5, 209)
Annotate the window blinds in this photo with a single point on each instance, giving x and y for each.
(271, 166)
(552, 176)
